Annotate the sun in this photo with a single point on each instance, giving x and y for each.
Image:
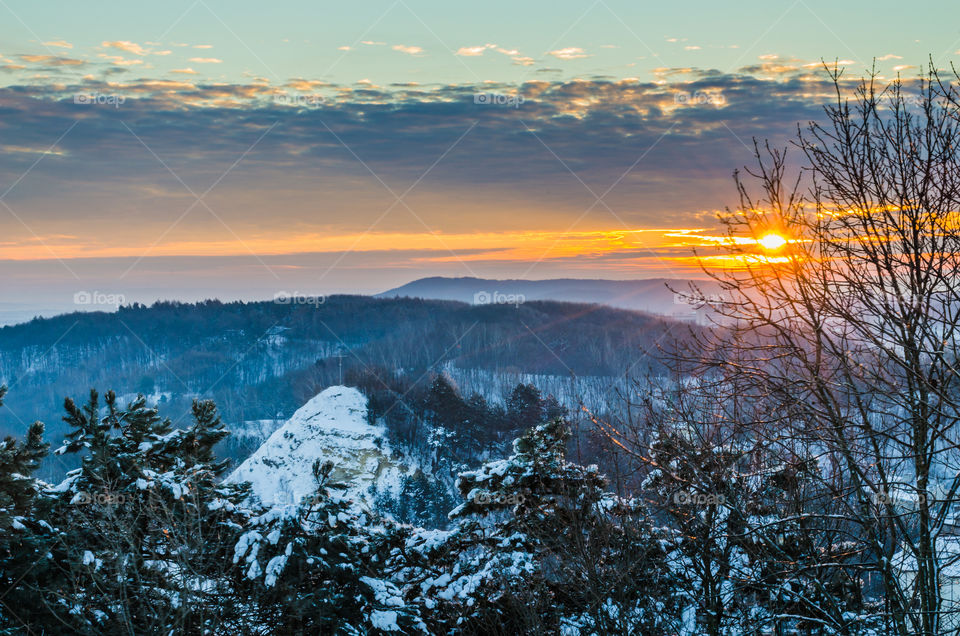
(772, 242)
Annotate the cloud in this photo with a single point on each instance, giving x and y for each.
(51, 60)
(184, 71)
(569, 53)
(125, 45)
(372, 43)
(473, 51)
(203, 46)
(33, 151)
(120, 61)
(691, 48)
(499, 164)
(306, 85)
(206, 60)
(409, 50)
(513, 54)
(344, 48)
(889, 56)
(63, 44)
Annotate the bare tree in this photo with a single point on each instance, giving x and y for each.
(839, 326)
(852, 325)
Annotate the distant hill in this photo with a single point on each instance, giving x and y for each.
(16, 313)
(651, 295)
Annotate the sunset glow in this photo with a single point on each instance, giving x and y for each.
(438, 247)
(772, 242)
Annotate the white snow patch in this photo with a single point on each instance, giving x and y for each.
(384, 621)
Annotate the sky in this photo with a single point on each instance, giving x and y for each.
(235, 150)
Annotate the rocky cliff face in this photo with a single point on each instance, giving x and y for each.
(332, 426)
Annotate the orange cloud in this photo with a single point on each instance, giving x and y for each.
(473, 51)
(409, 50)
(632, 249)
(51, 60)
(306, 85)
(125, 45)
(569, 53)
(120, 61)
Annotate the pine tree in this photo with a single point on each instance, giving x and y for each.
(145, 527)
(699, 489)
(444, 403)
(540, 545)
(524, 407)
(423, 501)
(18, 461)
(23, 535)
(320, 567)
(748, 543)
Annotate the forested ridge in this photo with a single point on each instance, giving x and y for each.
(263, 360)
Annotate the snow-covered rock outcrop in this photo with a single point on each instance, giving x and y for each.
(331, 426)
